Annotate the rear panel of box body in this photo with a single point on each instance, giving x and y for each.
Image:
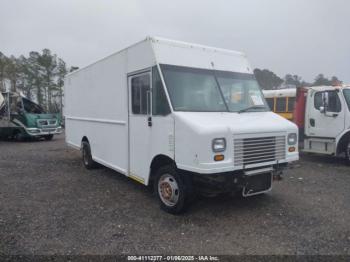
(96, 104)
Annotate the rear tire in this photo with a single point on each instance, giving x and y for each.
(174, 190)
(88, 162)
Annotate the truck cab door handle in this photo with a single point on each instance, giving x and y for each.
(312, 122)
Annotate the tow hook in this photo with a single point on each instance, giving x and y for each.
(277, 175)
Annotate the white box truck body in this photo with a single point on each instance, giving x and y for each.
(174, 114)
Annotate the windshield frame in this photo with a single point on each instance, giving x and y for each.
(215, 74)
(35, 106)
(347, 97)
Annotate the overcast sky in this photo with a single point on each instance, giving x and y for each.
(303, 37)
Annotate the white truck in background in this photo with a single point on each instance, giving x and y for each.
(178, 116)
(322, 114)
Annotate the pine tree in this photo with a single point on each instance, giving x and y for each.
(321, 80)
(35, 76)
(62, 71)
(48, 62)
(3, 63)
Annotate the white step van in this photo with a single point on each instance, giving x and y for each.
(180, 117)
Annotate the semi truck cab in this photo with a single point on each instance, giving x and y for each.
(327, 119)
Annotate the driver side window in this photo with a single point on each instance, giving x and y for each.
(328, 99)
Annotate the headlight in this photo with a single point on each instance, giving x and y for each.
(219, 145)
(33, 131)
(292, 139)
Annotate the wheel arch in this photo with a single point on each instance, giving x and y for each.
(157, 162)
(342, 143)
(84, 139)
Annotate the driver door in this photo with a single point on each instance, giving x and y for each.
(325, 114)
(139, 126)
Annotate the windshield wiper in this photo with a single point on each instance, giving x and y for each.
(250, 107)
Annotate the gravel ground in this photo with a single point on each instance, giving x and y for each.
(50, 204)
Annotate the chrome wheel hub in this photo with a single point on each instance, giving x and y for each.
(168, 190)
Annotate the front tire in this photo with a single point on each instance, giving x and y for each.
(48, 137)
(17, 136)
(88, 162)
(347, 153)
(173, 189)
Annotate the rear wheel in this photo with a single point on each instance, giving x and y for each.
(173, 190)
(88, 162)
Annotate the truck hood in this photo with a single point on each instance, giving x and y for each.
(247, 122)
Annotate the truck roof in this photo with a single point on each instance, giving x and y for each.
(193, 45)
(173, 52)
(326, 88)
(288, 92)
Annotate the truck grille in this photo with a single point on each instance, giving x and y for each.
(47, 122)
(43, 122)
(259, 149)
(49, 129)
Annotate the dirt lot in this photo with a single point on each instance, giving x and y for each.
(49, 204)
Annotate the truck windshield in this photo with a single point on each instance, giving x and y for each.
(31, 107)
(201, 90)
(347, 97)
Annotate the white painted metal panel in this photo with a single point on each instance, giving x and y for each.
(290, 92)
(140, 57)
(192, 55)
(163, 137)
(96, 107)
(195, 131)
(330, 124)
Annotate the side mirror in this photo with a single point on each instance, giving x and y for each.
(322, 109)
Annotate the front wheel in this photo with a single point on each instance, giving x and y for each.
(173, 190)
(17, 136)
(347, 153)
(48, 137)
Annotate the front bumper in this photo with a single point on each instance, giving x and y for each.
(227, 166)
(235, 181)
(44, 131)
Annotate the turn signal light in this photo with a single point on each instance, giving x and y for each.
(219, 157)
(291, 149)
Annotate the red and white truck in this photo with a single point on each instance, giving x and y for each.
(322, 114)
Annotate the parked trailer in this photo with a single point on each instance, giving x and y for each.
(322, 114)
(22, 118)
(177, 115)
